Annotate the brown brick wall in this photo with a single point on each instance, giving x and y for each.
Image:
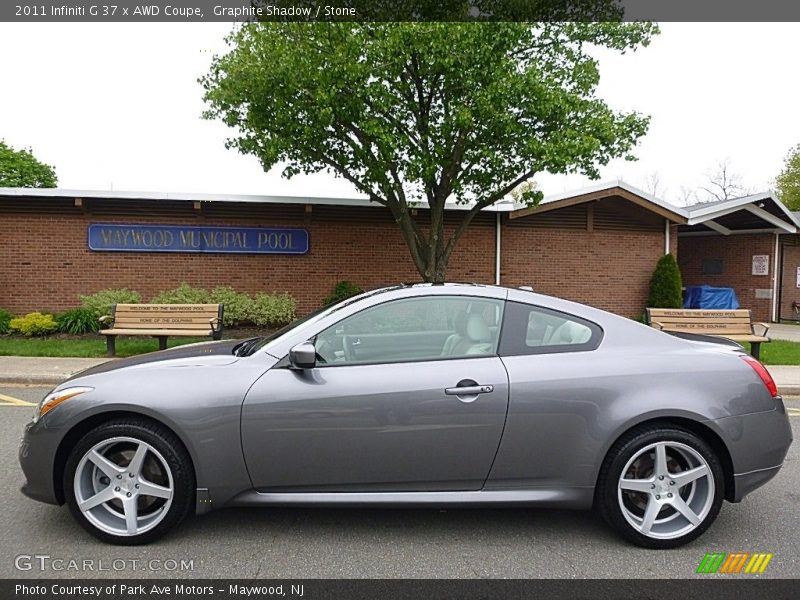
(737, 252)
(45, 263)
(609, 269)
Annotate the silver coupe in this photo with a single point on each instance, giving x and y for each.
(417, 395)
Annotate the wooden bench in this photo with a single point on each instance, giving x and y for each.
(162, 321)
(736, 325)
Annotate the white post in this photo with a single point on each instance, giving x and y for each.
(666, 236)
(497, 250)
(776, 266)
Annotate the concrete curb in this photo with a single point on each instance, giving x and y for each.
(32, 379)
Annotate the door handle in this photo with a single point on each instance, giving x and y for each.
(469, 390)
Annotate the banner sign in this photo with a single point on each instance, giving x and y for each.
(189, 238)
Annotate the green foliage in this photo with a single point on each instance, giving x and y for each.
(428, 111)
(5, 320)
(19, 168)
(100, 302)
(341, 291)
(788, 182)
(78, 321)
(183, 294)
(237, 305)
(34, 324)
(272, 310)
(665, 284)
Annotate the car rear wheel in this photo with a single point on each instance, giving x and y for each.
(660, 487)
(129, 482)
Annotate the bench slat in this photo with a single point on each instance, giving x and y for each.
(711, 330)
(158, 332)
(164, 319)
(745, 321)
(140, 308)
(697, 312)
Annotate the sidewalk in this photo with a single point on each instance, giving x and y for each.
(51, 371)
(42, 371)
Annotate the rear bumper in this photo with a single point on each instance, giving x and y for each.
(758, 444)
(745, 483)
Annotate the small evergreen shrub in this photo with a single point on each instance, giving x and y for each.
(5, 321)
(183, 294)
(272, 310)
(342, 291)
(34, 324)
(237, 305)
(78, 321)
(665, 285)
(100, 303)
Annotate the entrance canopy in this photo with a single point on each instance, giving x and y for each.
(758, 213)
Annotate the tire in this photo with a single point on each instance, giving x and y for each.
(653, 507)
(129, 481)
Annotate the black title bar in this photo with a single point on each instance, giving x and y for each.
(396, 10)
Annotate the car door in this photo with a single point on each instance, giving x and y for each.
(408, 395)
(556, 394)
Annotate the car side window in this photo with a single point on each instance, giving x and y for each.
(532, 329)
(414, 329)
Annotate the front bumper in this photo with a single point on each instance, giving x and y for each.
(758, 444)
(37, 452)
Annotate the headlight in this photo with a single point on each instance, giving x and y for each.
(53, 399)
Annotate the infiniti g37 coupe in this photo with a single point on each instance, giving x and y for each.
(423, 395)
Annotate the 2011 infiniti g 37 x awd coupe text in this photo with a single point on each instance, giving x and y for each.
(424, 395)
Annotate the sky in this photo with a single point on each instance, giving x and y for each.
(118, 106)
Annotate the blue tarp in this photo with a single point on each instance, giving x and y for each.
(705, 296)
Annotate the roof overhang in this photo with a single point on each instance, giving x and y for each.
(748, 214)
(617, 189)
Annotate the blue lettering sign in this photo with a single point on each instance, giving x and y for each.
(189, 238)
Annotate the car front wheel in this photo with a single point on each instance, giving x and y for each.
(129, 481)
(660, 487)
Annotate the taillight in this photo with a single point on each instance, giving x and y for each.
(762, 372)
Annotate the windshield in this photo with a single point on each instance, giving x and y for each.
(248, 347)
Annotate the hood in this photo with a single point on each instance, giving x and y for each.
(202, 353)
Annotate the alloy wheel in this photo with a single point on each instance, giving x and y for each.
(666, 490)
(123, 486)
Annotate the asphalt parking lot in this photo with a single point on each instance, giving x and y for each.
(40, 540)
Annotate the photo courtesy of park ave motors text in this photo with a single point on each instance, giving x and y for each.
(415, 293)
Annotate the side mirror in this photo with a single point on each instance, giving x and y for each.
(303, 356)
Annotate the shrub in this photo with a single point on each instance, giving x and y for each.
(100, 302)
(183, 294)
(5, 320)
(78, 321)
(272, 310)
(665, 285)
(34, 324)
(238, 305)
(342, 291)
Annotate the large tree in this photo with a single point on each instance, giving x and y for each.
(425, 112)
(787, 183)
(20, 168)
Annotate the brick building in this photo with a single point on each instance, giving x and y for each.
(749, 244)
(598, 246)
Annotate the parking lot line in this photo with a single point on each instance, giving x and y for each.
(11, 401)
(793, 412)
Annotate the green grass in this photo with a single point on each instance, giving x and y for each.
(779, 352)
(88, 347)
